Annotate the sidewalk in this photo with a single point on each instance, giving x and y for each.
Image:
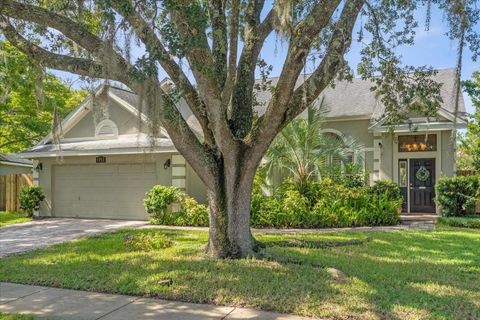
(71, 304)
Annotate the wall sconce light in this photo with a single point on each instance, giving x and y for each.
(39, 167)
(166, 165)
(380, 145)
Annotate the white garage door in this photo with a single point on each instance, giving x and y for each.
(114, 191)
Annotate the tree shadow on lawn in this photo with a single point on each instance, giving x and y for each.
(411, 274)
(387, 278)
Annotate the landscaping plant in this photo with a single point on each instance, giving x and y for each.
(160, 203)
(457, 196)
(30, 199)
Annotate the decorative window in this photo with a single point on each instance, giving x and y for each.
(417, 143)
(403, 173)
(106, 128)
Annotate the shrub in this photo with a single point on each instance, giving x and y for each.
(457, 196)
(193, 213)
(30, 199)
(147, 242)
(388, 188)
(159, 198)
(325, 204)
(159, 203)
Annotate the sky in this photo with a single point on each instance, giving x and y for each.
(431, 48)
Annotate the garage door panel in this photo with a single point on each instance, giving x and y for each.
(102, 191)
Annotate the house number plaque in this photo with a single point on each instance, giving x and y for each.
(101, 159)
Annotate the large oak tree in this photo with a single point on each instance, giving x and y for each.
(210, 49)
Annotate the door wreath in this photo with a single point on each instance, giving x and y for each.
(422, 174)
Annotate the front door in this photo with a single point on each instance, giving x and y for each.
(422, 183)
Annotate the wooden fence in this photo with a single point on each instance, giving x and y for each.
(10, 187)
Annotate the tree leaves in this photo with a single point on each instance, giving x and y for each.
(29, 99)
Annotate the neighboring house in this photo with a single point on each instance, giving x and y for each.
(104, 160)
(12, 164)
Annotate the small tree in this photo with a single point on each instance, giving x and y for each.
(30, 199)
(303, 152)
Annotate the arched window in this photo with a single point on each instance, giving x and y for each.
(106, 128)
(337, 140)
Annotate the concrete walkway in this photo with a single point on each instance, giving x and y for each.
(43, 233)
(82, 305)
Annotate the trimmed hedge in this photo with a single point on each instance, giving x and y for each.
(457, 196)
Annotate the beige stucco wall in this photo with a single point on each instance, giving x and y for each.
(127, 122)
(448, 168)
(386, 160)
(195, 186)
(354, 128)
(6, 169)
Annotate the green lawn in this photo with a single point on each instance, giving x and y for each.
(462, 222)
(7, 217)
(392, 275)
(5, 316)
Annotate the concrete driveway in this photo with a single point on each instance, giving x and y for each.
(38, 234)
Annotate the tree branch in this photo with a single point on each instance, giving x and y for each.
(201, 62)
(84, 67)
(233, 51)
(242, 110)
(216, 10)
(286, 104)
(158, 51)
(77, 32)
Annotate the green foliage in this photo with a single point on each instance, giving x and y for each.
(388, 188)
(303, 152)
(159, 203)
(472, 222)
(193, 213)
(158, 199)
(457, 196)
(30, 199)
(469, 144)
(147, 241)
(28, 99)
(325, 204)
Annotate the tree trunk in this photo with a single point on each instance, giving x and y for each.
(230, 235)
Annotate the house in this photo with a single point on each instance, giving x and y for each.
(15, 173)
(13, 164)
(104, 161)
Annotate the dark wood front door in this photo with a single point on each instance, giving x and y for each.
(422, 183)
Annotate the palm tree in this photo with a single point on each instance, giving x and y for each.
(303, 152)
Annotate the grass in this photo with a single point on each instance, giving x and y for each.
(462, 222)
(391, 275)
(6, 316)
(8, 217)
